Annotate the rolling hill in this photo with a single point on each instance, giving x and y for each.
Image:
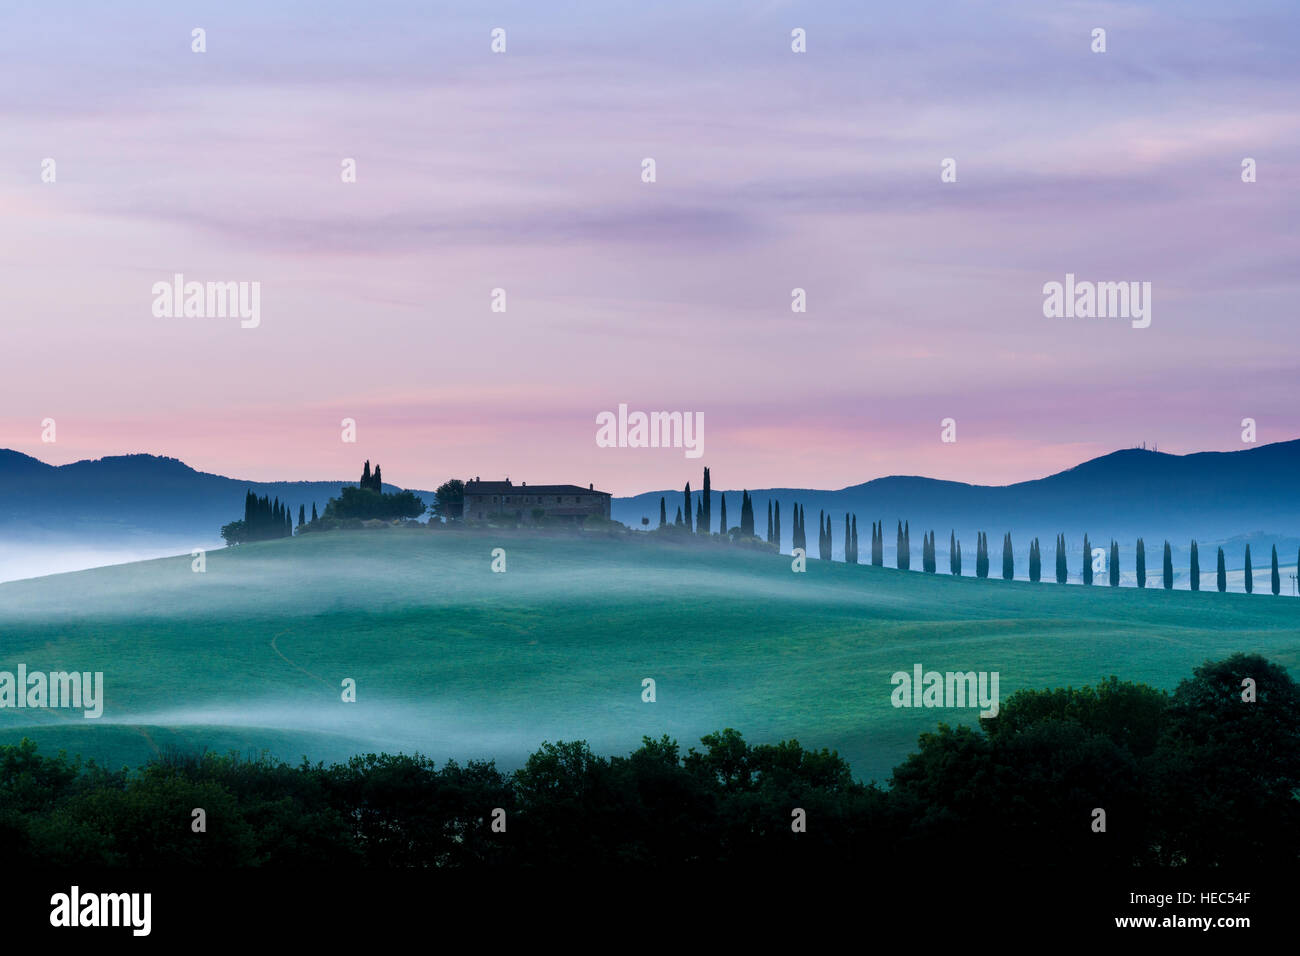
(454, 660)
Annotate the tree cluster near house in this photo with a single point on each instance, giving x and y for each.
(264, 520)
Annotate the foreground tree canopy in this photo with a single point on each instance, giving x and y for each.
(1200, 777)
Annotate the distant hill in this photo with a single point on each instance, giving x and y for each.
(125, 507)
(148, 505)
(1211, 496)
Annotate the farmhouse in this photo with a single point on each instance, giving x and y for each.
(526, 504)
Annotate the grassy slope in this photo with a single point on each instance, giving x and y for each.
(454, 660)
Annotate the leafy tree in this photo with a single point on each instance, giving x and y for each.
(449, 500)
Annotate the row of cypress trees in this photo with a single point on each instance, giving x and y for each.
(702, 522)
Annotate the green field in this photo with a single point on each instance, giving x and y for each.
(456, 661)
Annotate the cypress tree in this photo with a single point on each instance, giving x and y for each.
(1035, 562)
(707, 494)
(1062, 571)
(747, 515)
(313, 511)
(769, 520)
(981, 555)
(1221, 578)
(302, 515)
(1250, 574)
(855, 539)
(377, 483)
(907, 544)
(1142, 563)
(957, 564)
(1087, 559)
(678, 522)
(699, 514)
(776, 525)
(663, 511)
(848, 540)
(365, 475)
(1195, 571)
(1169, 567)
(1277, 577)
(952, 552)
(1114, 563)
(686, 506)
(1008, 558)
(722, 506)
(878, 543)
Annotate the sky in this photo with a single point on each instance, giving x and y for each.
(522, 171)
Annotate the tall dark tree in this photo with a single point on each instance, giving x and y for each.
(313, 511)
(824, 551)
(1169, 568)
(1277, 577)
(707, 496)
(686, 506)
(1141, 564)
(1062, 570)
(1114, 563)
(747, 515)
(377, 482)
(663, 512)
(1221, 577)
(848, 540)
(1035, 562)
(679, 523)
(907, 545)
(776, 525)
(302, 515)
(1087, 559)
(1195, 570)
(699, 513)
(878, 543)
(855, 539)
(1250, 573)
(1008, 558)
(722, 507)
(956, 567)
(365, 475)
(769, 520)
(982, 556)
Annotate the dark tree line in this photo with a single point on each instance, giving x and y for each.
(1194, 779)
(264, 520)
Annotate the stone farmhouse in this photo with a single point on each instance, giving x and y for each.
(525, 503)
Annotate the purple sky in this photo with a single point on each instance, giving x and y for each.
(522, 171)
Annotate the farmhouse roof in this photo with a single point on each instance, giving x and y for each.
(508, 487)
